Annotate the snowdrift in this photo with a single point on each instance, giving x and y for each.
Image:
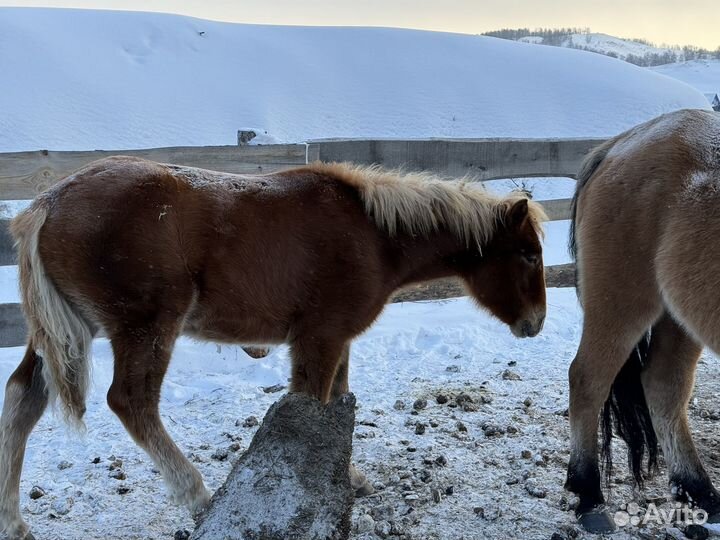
(80, 80)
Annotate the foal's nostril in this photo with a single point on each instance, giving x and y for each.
(527, 329)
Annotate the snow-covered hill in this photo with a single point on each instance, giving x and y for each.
(78, 79)
(703, 75)
(607, 45)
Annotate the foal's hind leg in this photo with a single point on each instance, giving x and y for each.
(25, 402)
(341, 386)
(141, 359)
(668, 383)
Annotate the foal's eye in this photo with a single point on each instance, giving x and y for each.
(530, 258)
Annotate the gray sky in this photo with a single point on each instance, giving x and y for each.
(694, 22)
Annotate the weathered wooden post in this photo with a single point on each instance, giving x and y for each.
(245, 137)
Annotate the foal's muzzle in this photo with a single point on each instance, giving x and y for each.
(530, 325)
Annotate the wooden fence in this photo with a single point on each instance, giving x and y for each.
(25, 174)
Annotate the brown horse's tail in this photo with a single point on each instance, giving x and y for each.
(587, 169)
(626, 409)
(57, 331)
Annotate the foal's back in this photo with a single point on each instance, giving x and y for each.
(207, 246)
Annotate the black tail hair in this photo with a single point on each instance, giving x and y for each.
(627, 411)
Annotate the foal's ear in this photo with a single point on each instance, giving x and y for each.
(517, 213)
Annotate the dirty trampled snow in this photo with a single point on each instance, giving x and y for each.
(502, 434)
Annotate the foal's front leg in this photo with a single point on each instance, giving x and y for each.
(341, 386)
(315, 361)
(320, 368)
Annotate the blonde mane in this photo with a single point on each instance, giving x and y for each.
(420, 203)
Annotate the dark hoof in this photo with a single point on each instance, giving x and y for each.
(714, 518)
(29, 536)
(597, 522)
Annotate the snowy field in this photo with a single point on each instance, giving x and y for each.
(148, 79)
(156, 80)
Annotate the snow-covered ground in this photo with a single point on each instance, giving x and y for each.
(208, 388)
(82, 80)
(518, 392)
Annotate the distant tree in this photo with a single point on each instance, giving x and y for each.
(691, 52)
(643, 42)
(509, 33)
(550, 36)
(635, 59)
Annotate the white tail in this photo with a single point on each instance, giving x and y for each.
(57, 331)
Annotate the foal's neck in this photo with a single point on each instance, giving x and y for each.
(420, 259)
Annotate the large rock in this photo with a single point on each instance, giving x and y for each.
(293, 481)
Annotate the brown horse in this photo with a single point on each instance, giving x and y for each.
(307, 257)
(646, 225)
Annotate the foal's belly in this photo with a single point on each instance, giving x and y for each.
(234, 327)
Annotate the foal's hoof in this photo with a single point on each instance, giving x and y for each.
(359, 483)
(597, 522)
(364, 490)
(714, 518)
(17, 531)
(200, 505)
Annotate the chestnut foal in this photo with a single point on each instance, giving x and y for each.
(307, 257)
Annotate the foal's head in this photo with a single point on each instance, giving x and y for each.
(506, 276)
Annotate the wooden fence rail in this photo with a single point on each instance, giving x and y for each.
(25, 174)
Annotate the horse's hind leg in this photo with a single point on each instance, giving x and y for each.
(25, 402)
(668, 382)
(341, 386)
(612, 327)
(141, 359)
